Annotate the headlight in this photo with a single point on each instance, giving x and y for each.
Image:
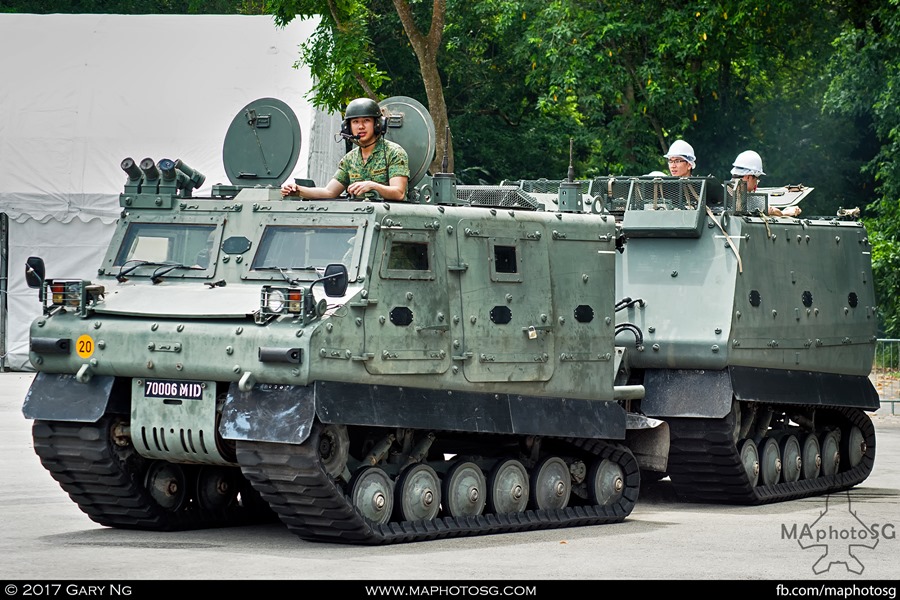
(77, 295)
(66, 293)
(275, 301)
(278, 300)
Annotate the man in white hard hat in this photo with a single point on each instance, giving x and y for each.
(681, 159)
(748, 167)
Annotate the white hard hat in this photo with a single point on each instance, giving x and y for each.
(655, 174)
(747, 162)
(684, 150)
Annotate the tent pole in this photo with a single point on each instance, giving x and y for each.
(4, 288)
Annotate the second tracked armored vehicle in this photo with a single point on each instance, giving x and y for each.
(477, 359)
(759, 335)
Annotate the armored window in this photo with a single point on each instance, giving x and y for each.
(304, 248)
(184, 244)
(506, 260)
(407, 255)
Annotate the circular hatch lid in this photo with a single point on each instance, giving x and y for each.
(410, 125)
(262, 144)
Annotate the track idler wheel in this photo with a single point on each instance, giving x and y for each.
(217, 487)
(791, 461)
(372, 493)
(812, 457)
(333, 448)
(418, 493)
(831, 453)
(855, 447)
(750, 460)
(465, 490)
(551, 484)
(769, 461)
(606, 482)
(507, 487)
(167, 485)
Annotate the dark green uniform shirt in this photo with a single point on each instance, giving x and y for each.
(387, 160)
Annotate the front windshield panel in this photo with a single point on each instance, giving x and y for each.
(168, 243)
(304, 248)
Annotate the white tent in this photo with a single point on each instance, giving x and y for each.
(79, 93)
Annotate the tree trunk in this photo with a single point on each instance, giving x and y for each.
(426, 49)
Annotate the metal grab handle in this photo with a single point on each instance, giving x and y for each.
(435, 327)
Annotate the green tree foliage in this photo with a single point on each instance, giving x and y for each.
(865, 86)
(339, 54)
(812, 86)
(727, 76)
(342, 58)
(497, 130)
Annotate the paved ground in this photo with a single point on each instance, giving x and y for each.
(46, 537)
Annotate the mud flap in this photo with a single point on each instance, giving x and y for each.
(59, 397)
(687, 393)
(268, 413)
(648, 440)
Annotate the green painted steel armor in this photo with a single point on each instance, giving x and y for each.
(477, 359)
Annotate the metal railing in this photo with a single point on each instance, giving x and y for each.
(886, 372)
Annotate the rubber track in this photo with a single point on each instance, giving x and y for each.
(705, 465)
(106, 482)
(313, 506)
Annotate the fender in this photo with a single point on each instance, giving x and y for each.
(708, 394)
(285, 413)
(59, 397)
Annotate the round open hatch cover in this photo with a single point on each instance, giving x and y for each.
(262, 144)
(411, 126)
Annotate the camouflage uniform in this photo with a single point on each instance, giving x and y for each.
(387, 160)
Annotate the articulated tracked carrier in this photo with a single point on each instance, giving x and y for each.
(477, 359)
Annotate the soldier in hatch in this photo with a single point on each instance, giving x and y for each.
(375, 168)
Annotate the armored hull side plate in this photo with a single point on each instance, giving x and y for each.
(417, 408)
(803, 387)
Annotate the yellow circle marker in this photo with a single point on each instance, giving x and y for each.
(84, 346)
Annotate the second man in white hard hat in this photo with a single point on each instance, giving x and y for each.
(748, 166)
(682, 159)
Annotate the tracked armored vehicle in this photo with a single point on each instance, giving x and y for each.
(477, 359)
(759, 335)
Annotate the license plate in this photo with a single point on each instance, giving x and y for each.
(176, 390)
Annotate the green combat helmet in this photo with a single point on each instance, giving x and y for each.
(364, 107)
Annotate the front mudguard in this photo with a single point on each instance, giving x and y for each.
(60, 397)
(268, 413)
